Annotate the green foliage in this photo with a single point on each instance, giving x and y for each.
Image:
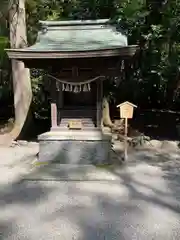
(154, 26)
(5, 87)
(154, 79)
(41, 102)
(3, 43)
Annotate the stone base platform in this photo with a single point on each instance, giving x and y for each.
(75, 147)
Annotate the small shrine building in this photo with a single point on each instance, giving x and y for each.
(77, 56)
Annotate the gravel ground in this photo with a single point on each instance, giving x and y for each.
(143, 203)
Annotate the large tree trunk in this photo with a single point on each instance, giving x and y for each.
(20, 74)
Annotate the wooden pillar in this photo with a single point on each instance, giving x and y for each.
(53, 115)
(60, 97)
(60, 103)
(99, 102)
(53, 105)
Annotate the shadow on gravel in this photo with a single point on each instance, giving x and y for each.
(98, 210)
(157, 197)
(168, 166)
(22, 194)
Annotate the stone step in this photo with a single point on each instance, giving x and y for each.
(86, 120)
(64, 122)
(68, 172)
(64, 128)
(78, 112)
(84, 126)
(83, 123)
(78, 115)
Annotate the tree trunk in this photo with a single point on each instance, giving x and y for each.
(106, 120)
(21, 75)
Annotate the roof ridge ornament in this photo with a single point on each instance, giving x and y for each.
(53, 23)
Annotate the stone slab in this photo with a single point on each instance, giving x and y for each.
(82, 135)
(75, 147)
(75, 152)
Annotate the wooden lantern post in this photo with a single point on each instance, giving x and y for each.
(126, 112)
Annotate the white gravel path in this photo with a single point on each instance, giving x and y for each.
(143, 204)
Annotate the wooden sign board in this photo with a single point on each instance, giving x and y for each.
(75, 124)
(126, 112)
(126, 109)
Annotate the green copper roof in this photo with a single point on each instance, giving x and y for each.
(76, 39)
(72, 36)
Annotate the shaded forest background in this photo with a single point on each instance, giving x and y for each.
(152, 82)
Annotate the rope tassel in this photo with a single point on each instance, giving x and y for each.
(122, 65)
(71, 88)
(67, 88)
(75, 89)
(85, 89)
(89, 87)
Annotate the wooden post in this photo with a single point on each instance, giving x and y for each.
(126, 112)
(60, 103)
(53, 115)
(99, 102)
(125, 140)
(53, 105)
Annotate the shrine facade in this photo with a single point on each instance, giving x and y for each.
(77, 57)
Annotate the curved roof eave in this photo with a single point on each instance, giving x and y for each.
(30, 54)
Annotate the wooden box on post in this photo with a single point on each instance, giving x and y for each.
(126, 110)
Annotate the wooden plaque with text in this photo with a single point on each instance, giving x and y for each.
(75, 124)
